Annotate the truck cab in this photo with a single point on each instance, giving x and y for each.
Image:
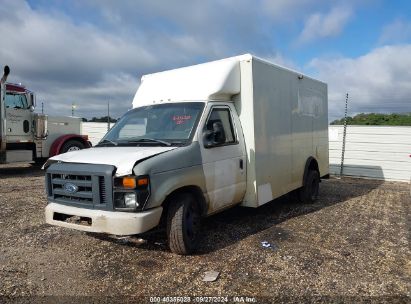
(198, 140)
(19, 103)
(26, 136)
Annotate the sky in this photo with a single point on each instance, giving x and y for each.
(91, 52)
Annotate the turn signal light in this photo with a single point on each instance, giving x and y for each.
(142, 181)
(129, 182)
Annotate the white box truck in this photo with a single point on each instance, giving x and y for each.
(198, 140)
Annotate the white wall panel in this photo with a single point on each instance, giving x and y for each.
(95, 131)
(374, 152)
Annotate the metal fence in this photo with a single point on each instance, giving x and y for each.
(95, 130)
(379, 152)
(371, 152)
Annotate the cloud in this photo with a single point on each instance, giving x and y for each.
(58, 59)
(379, 81)
(320, 25)
(398, 31)
(102, 44)
(92, 51)
(291, 10)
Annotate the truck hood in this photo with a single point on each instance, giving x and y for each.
(123, 158)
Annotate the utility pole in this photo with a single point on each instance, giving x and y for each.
(344, 136)
(108, 115)
(73, 107)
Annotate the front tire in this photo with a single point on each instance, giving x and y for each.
(309, 192)
(183, 224)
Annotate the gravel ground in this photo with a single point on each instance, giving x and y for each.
(353, 245)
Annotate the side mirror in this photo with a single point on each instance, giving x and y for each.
(32, 100)
(214, 137)
(208, 138)
(31, 108)
(219, 134)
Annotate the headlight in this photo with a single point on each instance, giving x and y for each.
(125, 200)
(131, 192)
(130, 200)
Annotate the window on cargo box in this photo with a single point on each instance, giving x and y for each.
(223, 116)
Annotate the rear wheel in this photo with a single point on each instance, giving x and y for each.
(183, 224)
(72, 145)
(309, 192)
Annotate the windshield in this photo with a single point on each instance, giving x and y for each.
(17, 101)
(163, 124)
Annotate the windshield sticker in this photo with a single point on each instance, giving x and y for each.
(180, 119)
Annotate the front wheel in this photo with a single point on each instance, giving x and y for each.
(309, 192)
(72, 145)
(183, 224)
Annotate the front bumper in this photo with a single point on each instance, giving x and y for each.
(111, 222)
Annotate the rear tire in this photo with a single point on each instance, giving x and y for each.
(183, 224)
(72, 145)
(309, 192)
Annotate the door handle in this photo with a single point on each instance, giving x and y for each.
(241, 164)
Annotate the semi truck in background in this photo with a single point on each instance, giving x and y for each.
(26, 136)
(199, 140)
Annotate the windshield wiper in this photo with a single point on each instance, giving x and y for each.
(107, 141)
(146, 139)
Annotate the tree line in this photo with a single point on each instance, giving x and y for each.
(99, 119)
(377, 119)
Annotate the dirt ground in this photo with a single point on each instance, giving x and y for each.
(352, 245)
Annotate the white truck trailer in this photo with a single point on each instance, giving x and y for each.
(200, 139)
(26, 136)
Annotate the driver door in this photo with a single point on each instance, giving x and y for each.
(223, 162)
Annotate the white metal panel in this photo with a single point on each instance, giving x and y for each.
(15, 156)
(289, 124)
(245, 110)
(381, 130)
(123, 158)
(216, 80)
(381, 152)
(95, 131)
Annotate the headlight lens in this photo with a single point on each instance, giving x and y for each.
(130, 200)
(125, 200)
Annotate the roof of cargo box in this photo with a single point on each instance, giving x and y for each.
(216, 80)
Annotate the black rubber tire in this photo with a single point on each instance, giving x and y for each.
(71, 144)
(183, 224)
(309, 192)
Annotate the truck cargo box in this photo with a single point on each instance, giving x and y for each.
(284, 116)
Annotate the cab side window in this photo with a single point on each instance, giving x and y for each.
(220, 122)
